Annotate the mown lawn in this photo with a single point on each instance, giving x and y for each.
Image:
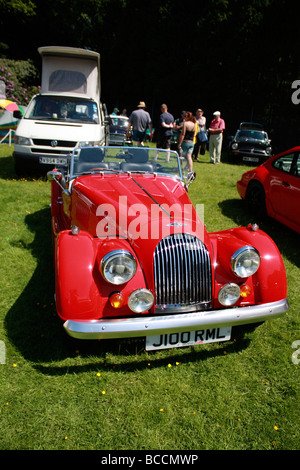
(58, 393)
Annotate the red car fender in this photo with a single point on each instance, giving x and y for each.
(74, 262)
(269, 282)
(81, 291)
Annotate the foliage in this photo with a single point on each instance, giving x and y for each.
(18, 77)
(62, 394)
(215, 54)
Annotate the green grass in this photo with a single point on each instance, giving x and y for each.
(59, 393)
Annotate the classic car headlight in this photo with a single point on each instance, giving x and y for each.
(140, 300)
(245, 261)
(234, 146)
(269, 150)
(118, 267)
(21, 140)
(229, 294)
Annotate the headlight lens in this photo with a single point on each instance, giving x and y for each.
(229, 294)
(89, 143)
(118, 267)
(140, 300)
(245, 262)
(269, 150)
(234, 146)
(21, 140)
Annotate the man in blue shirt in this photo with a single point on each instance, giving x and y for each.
(165, 130)
(140, 120)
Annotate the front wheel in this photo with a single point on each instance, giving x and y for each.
(256, 200)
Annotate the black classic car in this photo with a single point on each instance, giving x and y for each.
(250, 144)
(118, 126)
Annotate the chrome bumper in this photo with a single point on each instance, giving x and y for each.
(157, 325)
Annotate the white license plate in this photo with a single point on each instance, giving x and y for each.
(187, 338)
(250, 159)
(53, 161)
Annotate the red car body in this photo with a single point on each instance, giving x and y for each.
(274, 188)
(133, 258)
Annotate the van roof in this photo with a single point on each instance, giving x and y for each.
(70, 71)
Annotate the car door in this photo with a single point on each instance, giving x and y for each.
(285, 188)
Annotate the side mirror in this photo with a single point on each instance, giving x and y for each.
(58, 177)
(54, 175)
(17, 114)
(190, 177)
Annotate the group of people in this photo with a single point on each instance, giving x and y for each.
(192, 131)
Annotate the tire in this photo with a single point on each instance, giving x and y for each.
(256, 199)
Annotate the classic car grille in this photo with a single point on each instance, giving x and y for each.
(182, 274)
(252, 150)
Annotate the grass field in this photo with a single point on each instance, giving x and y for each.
(58, 393)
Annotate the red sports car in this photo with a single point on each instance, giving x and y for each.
(274, 188)
(133, 258)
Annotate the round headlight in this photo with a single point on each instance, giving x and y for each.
(118, 267)
(140, 300)
(229, 294)
(234, 146)
(245, 261)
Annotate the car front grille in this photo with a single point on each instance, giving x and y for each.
(182, 274)
(250, 149)
(58, 143)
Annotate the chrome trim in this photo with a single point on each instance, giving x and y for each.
(182, 274)
(156, 325)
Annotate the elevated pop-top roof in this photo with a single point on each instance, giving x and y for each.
(70, 71)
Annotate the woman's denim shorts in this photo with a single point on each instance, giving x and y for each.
(187, 147)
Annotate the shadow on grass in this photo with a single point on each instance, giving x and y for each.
(286, 239)
(7, 167)
(34, 328)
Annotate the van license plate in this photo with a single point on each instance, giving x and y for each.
(187, 338)
(53, 161)
(250, 159)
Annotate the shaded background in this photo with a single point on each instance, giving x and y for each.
(237, 57)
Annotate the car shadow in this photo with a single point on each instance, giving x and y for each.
(286, 239)
(34, 328)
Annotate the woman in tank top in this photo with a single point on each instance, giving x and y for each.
(186, 139)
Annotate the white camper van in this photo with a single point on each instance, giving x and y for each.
(66, 114)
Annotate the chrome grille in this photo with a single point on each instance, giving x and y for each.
(182, 274)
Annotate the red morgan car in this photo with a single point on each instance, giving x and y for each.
(133, 258)
(273, 188)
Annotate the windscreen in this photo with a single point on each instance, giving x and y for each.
(138, 160)
(63, 109)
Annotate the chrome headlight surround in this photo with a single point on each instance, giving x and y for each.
(269, 150)
(234, 145)
(229, 294)
(140, 300)
(245, 261)
(118, 267)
